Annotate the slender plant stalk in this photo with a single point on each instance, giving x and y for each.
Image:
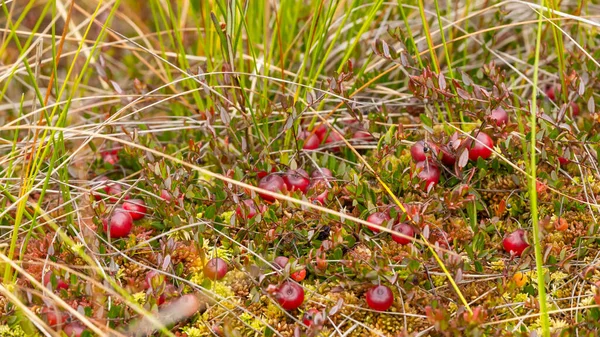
(537, 244)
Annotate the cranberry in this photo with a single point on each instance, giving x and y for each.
(500, 116)
(249, 209)
(482, 147)
(121, 223)
(74, 329)
(421, 150)
(575, 108)
(405, 229)
(311, 141)
(321, 131)
(290, 295)
(380, 298)
(273, 183)
(515, 242)
(110, 156)
(215, 269)
(112, 189)
(281, 261)
(136, 208)
(53, 316)
(428, 172)
(378, 218)
(309, 316)
(334, 139)
(296, 180)
(299, 275)
(563, 160)
(448, 157)
(60, 284)
(322, 174)
(550, 92)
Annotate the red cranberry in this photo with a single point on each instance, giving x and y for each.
(121, 223)
(405, 229)
(482, 147)
(421, 150)
(334, 139)
(136, 208)
(281, 261)
(311, 141)
(215, 269)
(54, 317)
(290, 295)
(575, 108)
(273, 183)
(112, 189)
(378, 218)
(448, 157)
(321, 131)
(380, 298)
(74, 329)
(296, 180)
(249, 209)
(428, 172)
(309, 316)
(500, 116)
(110, 156)
(551, 92)
(321, 174)
(60, 284)
(515, 242)
(563, 160)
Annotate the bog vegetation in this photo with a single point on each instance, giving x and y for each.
(299, 168)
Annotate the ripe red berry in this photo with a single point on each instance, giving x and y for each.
(421, 150)
(296, 180)
(74, 329)
(280, 261)
(311, 141)
(448, 157)
(309, 316)
(380, 298)
(500, 116)
(575, 108)
(299, 275)
(515, 242)
(136, 208)
(249, 209)
(563, 160)
(428, 172)
(321, 198)
(121, 223)
(273, 183)
(334, 141)
(53, 316)
(481, 148)
(321, 131)
(551, 92)
(405, 229)
(290, 295)
(378, 218)
(110, 156)
(60, 284)
(215, 269)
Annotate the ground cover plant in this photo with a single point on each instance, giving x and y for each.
(299, 168)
